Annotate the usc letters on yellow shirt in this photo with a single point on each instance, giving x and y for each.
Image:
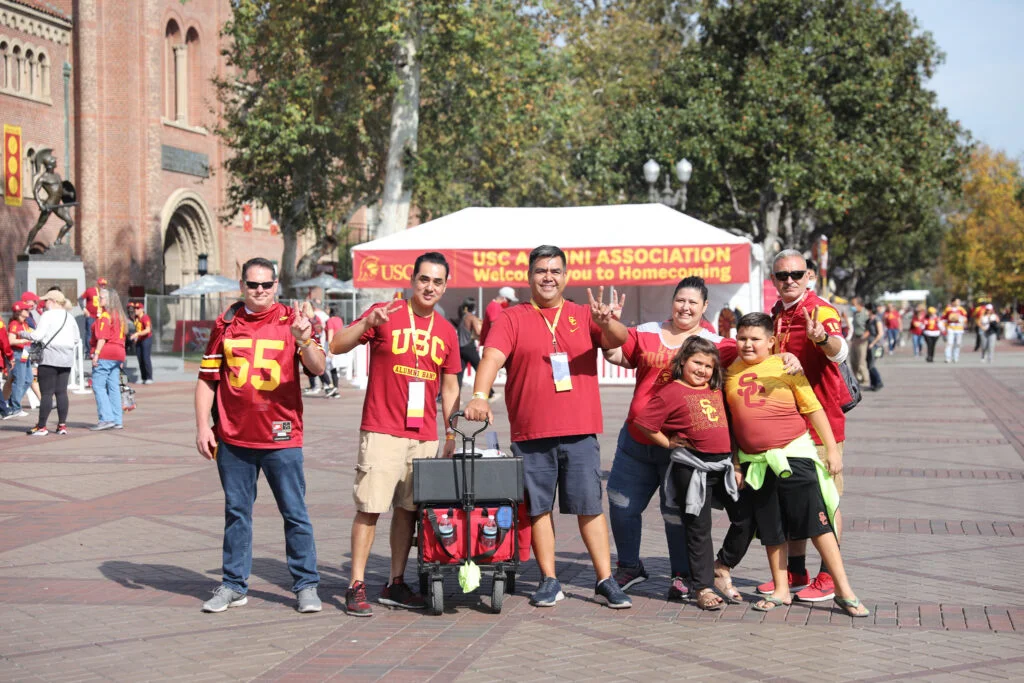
(766, 405)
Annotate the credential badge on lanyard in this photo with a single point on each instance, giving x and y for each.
(559, 359)
(417, 402)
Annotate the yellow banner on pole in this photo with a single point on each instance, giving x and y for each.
(12, 165)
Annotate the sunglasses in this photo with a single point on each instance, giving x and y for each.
(784, 275)
(256, 285)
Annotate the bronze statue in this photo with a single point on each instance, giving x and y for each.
(59, 196)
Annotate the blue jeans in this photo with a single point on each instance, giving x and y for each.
(637, 471)
(22, 381)
(239, 468)
(143, 351)
(918, 344)
(954, 339)
(106, 387)
(894, 337)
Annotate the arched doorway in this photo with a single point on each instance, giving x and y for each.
(187, 233)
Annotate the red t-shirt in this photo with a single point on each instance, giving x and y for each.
(695, 414)
(255, 361)
(113, 332)
(646, 350)
(394, 362)
(92, 302)
(706, 324)
(335, 323)
(491, 315)
(823, 374)
(535, 409)
(6, 352)
(142, 321)
(16, 328)
(917, 325)
(892, 320)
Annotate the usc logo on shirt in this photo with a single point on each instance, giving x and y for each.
(749, 388)
(421, 344)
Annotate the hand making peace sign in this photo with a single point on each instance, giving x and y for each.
(815, 330)
(602, 312)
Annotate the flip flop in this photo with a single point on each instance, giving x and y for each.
(723, 585)
(851, 606)
(772, 603)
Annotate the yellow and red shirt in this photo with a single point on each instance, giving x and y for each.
(766, 405)
(955, 317)
(112, 331)
(92, 302)
(142, 321)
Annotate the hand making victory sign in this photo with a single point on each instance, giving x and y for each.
(604, 313)
(815, 330)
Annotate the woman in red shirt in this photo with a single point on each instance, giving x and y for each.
(21, 374)
(107, 344)
(917, 330)
(931, 332)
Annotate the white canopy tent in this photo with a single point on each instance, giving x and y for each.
(641, 249)
(905, 295)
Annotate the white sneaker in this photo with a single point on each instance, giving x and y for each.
(148, 381)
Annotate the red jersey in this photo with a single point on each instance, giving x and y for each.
(955, 318)
(6, 352)
(766, 405)
(398, 356)
(917, 325)
(92, 302)
(706, 324)
(892, 320)
(142, 321)
(113, 332)
(931, 324)
(535, 409)
(255, 361)
(823, 374)
(16, 328)
(646, 350)
(491, 315)
(697, 415)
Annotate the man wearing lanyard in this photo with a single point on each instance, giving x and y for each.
(549, 348)
(411, 349)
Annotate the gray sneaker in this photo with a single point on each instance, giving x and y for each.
(223, 598)
(609, 593)
(101, 426)
(309, 601)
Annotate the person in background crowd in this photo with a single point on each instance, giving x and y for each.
(334, 325)
(108, 356)
(976, 313)
(893, 321)
(6, 364)
(726, 321)
(506, 297)
(251, 371)
(21, 374)
(313, 308)
(549, 349)
(931, 332)
(988, 327)
(860, 340)
(90, 300)
(58, 331)
(955, 318)
(143, 339)
(414, 357)
(876, 346)
(917, 330)
(468, 326)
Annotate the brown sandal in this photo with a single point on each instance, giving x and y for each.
(723, 584)
(707, 599)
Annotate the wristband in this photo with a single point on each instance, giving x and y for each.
(306, 343)
(480, 394)
(449, 437)
(824, 341)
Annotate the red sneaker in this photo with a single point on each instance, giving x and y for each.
(820, 590)
(355, 601)
(796, 582)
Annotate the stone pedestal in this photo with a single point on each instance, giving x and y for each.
(58, 266)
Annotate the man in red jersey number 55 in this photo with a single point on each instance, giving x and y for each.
(251, 370)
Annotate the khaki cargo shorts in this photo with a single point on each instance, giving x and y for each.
(838, 479)
(384, 471)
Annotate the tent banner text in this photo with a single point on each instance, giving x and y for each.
(588, 266)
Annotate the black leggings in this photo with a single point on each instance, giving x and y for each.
(53, 381)
(470, 356)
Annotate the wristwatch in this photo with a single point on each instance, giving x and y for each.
(824, 341)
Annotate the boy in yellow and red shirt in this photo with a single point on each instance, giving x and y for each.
(794, 495)
(955, 317)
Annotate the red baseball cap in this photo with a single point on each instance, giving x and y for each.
(101, 281)
(19, 306)
(29, 296)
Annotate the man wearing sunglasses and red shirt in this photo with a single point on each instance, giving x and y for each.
(809, 327)
(251, 371)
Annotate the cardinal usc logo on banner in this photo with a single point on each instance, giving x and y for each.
(587, 267)
(12, 166)
(247, 217)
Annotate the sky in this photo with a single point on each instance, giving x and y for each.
(981, 82)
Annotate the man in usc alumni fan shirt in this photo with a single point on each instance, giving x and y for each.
(809, 327)
(414, 354)
(251, 370)
(549, 348)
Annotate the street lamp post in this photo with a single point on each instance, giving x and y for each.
(677, 199)
(202, 269)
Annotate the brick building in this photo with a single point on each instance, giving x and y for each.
(142, 152)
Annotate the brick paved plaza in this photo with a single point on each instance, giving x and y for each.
(111, 541)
